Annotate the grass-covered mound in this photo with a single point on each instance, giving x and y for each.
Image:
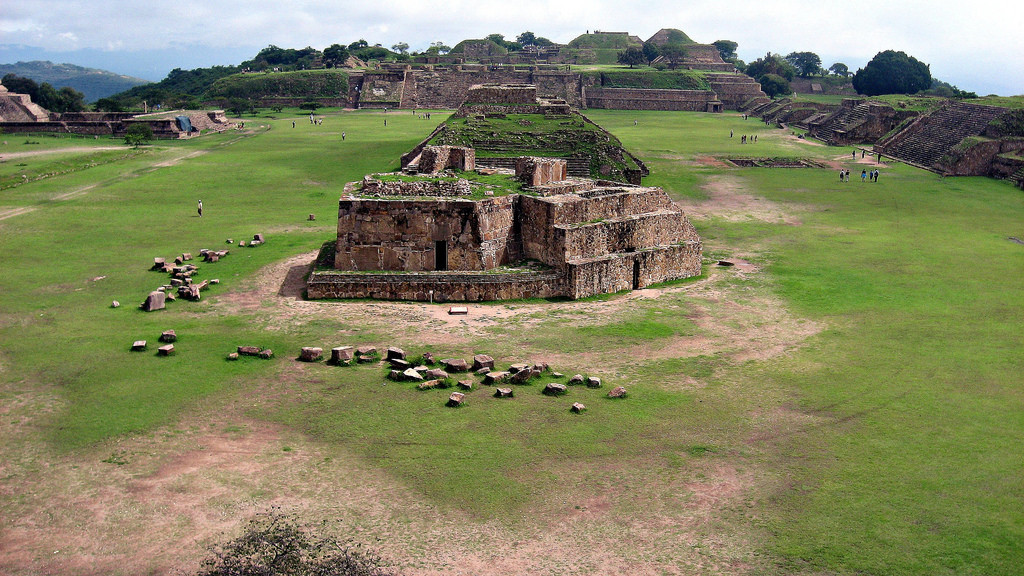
(539, 135)
(604, 40)
(299, 84)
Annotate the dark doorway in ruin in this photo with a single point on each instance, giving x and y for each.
(636, 274)
(440, 255)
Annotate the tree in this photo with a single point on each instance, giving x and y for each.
(438, 48)
(335, 56)
(892, 72)
(138, 134)
(674, 54)
(775, 85)
(651, 51)
(274, 544)
(632, 56)
(527, 39)
(108, 105)
(727, 48)
(498, 39)
(358, 44)
(807, 63)
(401, 47)
(839, 69)
(770, 64)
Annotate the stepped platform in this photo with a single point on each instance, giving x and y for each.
(926, 140)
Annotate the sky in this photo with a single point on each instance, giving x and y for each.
(977, 46)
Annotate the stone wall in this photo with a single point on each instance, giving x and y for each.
(502, 94)
(535, 171)
(627, 234)
(649, 99)
(403, 234)
(435, 159)
(437, 287)
(439, 188)
(632, 271)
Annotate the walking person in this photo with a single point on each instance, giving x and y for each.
(342, 136)
(200, 208)
(863, 175)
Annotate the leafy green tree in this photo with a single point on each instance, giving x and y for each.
(527, 39)
(727, 48)
(108, 105)
(775, 85)
(498, 39)
(770, 64)
(438, 48)
(401, 47)
(335, 56)
(892, 72)
(807, 63)
(309, 105)
(839, 69)
(21, 85)
(361, 43)
(651, 51)
(632, 56)
(138, 134)
(674, 54)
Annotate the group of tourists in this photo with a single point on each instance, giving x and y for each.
(744, 138)
(844, 175)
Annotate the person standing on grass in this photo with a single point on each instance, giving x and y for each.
(342, 136)
(200, 208)
(863, 175)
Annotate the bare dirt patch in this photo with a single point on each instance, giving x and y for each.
(51, 151)
(729, 198)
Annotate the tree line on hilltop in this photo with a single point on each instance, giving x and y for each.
(889, 72)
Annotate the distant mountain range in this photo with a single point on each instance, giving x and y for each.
(94, 83)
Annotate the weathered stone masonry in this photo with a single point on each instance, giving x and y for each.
(591, 238)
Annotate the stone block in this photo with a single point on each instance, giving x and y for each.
(266, 354)
(555, 389)
(577, 408)
(168, 336)
(155, 301)
(503, 393)
(249, 350)
(395, 353)
(617, 392)
(482, 361)
(139, 346)
(456, 399)
(455, 365)
(165, 350)
(311, 354)
(593, 382)
(495, 377)
(341, 355)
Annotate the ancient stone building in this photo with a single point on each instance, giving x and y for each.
(449, 237)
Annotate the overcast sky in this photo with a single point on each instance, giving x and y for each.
(978, 46)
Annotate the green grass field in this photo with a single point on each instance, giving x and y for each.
(852, 407)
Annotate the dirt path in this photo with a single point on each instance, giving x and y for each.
(33, 153)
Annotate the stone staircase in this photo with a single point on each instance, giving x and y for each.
(1018, 178)
(831, 128)
(925, 141)
(575, 166)
(408, 100)
(735, 90)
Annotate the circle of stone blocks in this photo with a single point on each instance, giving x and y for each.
(311, 354)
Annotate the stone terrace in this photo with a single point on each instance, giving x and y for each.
(926, 140)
